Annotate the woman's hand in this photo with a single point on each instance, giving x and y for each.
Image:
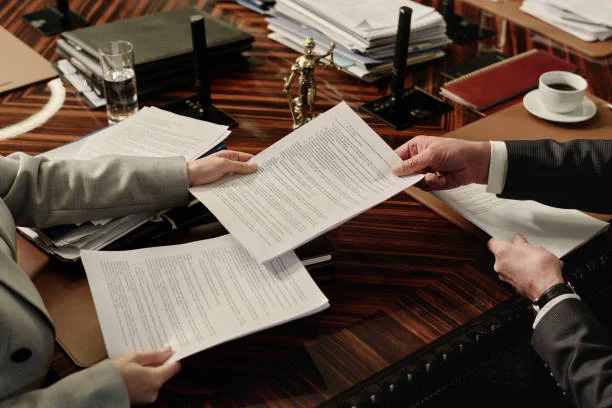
(212, 168)
(145, 373)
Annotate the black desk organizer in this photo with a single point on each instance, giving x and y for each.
(489, 361)
(55, 19)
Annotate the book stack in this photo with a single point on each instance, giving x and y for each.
(364, 32)
(589, 20)
(162, 48)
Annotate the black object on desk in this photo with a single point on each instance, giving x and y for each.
(461, 30)
(404, 107)
(55, 19)
(199, 106)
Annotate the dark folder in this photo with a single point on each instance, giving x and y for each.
(160, 36)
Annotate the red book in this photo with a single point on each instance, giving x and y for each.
(504, 80)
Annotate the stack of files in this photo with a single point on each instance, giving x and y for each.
(150, 132)
(589, 20)
(364, 32)
(162, 48)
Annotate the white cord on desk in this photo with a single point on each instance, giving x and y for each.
(58, 96)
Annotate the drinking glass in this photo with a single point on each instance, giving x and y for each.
(117, 61)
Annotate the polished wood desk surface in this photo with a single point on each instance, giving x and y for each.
(403, 276)
(509, 9)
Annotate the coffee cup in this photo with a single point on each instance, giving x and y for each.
(561, 91)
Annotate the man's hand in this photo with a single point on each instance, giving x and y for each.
(447, 163)
(145, 373)
(530, 269)
(212, 168)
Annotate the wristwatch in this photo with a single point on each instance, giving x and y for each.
(554, 291)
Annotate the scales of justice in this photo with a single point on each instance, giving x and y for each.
(302, 105)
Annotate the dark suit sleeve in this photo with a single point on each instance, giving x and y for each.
(575, 347)
(576, 174)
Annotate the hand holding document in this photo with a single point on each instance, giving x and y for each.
(317, 177)
(151, 132)
(194, 296)
(558, 230)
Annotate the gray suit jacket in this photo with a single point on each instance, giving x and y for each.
(37, 192)
(570, 340)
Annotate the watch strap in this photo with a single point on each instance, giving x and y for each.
(551, 293)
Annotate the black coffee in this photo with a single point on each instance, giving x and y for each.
(561, 87)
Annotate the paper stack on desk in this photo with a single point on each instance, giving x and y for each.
(150, 132)
(364, 32)
(589, 20)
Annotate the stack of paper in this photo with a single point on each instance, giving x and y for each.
(194, 296)
(589, 20)
(364, 32)
(150, 132)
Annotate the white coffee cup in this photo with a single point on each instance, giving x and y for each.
(561, 91)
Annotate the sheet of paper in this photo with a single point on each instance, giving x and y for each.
(367, 14)
(155, 132)
(558, 230)
(317, 177)
(194, 296)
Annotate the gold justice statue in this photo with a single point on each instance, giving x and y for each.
(302, 106)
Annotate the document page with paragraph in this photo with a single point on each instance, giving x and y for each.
(556, 229)
(194, 296)
(317, 177)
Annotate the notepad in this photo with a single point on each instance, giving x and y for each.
(504, 80)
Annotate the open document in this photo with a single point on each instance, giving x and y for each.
(317, 177)
(558, 230)
(194, 296)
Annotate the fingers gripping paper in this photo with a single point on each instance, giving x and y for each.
(314, 179)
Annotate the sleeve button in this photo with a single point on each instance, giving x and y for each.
(21, 355)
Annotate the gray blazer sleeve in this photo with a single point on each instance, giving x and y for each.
(575, 174)
(576, 349)
(98, 386)
(40, 192)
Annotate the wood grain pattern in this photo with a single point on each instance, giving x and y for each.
(403, 276)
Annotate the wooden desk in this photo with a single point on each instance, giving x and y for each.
(509, 9)
(518, 31)
(404, 279)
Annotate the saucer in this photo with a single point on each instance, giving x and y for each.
(532, 103)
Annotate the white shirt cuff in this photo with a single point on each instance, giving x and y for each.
(547, 307)
(498, 167)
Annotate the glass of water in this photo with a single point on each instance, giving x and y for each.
(117, 61)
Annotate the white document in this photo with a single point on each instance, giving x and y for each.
(553, 15)
(558, 230)
(317, 177)
(157, 133)
(367, 14)
(194, 296)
